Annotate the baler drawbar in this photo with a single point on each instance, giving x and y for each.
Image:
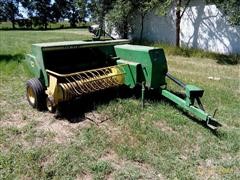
(66, 70)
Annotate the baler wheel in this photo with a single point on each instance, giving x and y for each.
(36, 94)
(50, 105)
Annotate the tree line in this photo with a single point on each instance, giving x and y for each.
(117, 14)
(41, 12)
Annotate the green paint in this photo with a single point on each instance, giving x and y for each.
(45, 55)
(152, 60)
(142, 65)
(183, 104)
(132, 72)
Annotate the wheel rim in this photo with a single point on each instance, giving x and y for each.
(49, 106)
(31, 95)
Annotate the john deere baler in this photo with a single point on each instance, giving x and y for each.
(66, 70)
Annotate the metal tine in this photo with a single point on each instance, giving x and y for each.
(73, 87)
(104, 85)
(67, 94)
(93, 82)
(84, 84)
(96, 82)
(90, 89)
(69, 85)
(108, 80)
(80, 84)
(89, 81)
(84, 81)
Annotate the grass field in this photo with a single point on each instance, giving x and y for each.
(116, 139)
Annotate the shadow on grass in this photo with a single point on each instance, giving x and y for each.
(232, 59)
(227, 59)
(10, 57)
(156, 96)
(75, 111)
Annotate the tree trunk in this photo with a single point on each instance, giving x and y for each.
(178, 22)
(125, 30)
(13, 24)
(142, 26)
(13, 20)
(45, 25)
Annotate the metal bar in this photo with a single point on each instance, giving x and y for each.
(182, 103)
(143, 94)
(200, 103)
(71, 74)
(177, 81)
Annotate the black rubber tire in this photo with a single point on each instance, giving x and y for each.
(37, 99)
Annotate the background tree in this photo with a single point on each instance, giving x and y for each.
(98, 9)
(76, 11)
(28, 5)
(39, 11)
(59, 9)
(119, 17)
(123, 12)
(143, 7)
(42, 10)
(180, 6)
(10, 10)
(2, 16)
(230, 8)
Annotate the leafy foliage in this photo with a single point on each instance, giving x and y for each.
(119, 17)
(124, 11)
(9, 10)
(76, 11)
(98, 10)
(231, 8)
(44, 11)
(59, 9)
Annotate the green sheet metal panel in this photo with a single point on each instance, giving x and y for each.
(132, 72)
(152, 60)
(36, 61)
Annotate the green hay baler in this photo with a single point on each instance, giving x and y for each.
(64, 71)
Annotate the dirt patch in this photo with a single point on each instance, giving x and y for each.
(62, 129)
(118, 164)
(84, 177)
(164, 127)
(65, 130)
(15, 119)
(207, 170)
(43, 122)
(13, 123)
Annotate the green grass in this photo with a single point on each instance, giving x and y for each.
(158, 142)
